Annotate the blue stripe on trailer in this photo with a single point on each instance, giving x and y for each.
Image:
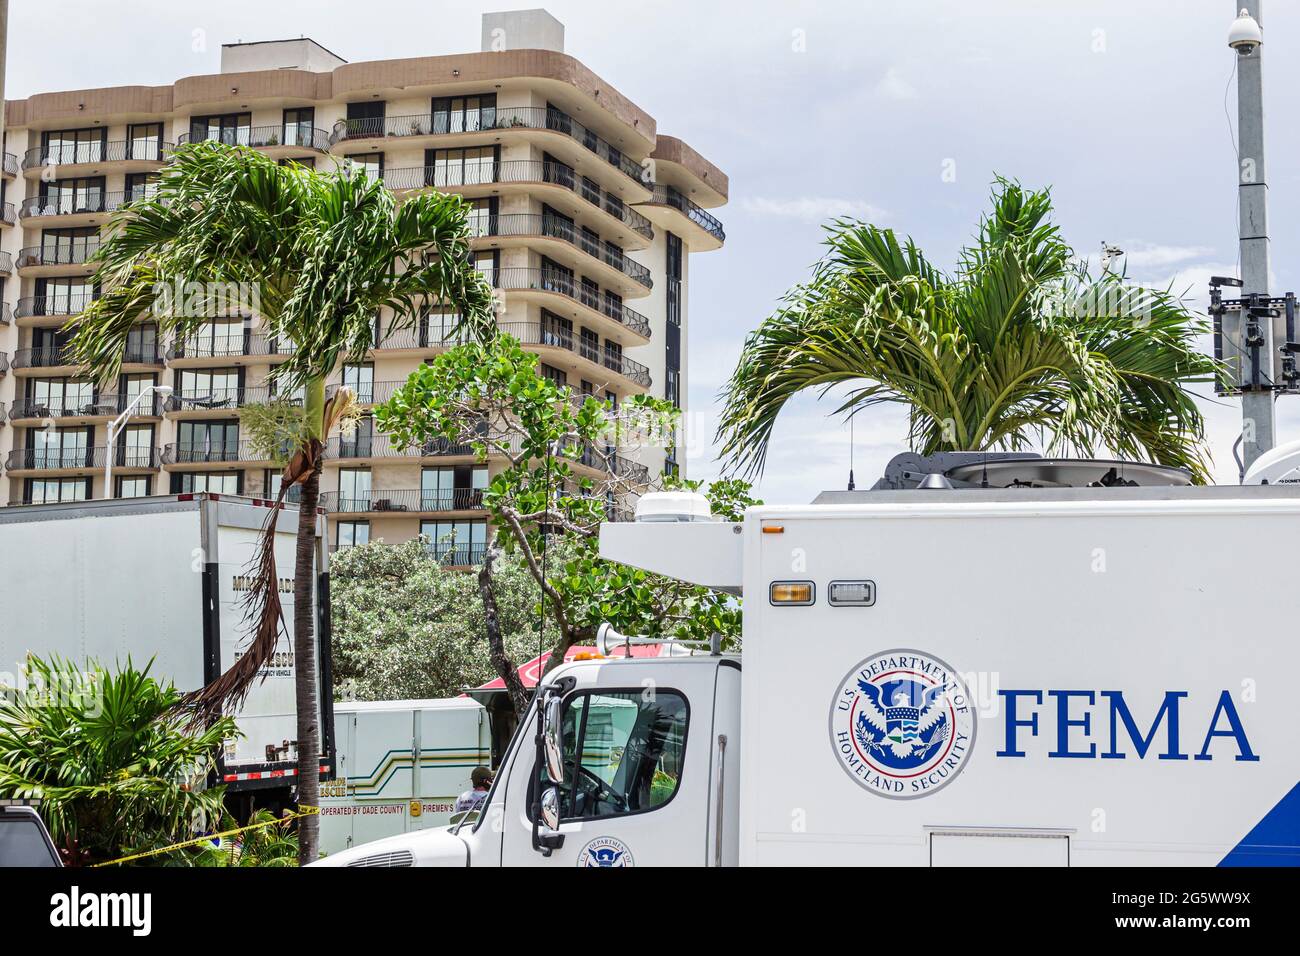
(1275, 840)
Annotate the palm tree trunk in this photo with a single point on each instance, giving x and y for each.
(304, 640)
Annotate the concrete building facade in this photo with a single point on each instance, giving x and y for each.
(584, 218)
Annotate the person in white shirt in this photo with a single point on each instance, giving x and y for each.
(481, 778)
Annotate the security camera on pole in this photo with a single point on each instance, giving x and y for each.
(1254, 335)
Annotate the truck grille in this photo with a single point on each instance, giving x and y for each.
(394, 858)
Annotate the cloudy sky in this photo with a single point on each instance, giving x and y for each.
(836, 108)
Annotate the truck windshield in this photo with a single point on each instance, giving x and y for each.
(632, 744)
(23, 844)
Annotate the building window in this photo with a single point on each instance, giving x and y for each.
(354, 489)
(454, 488)
(352, 533)
(460, 167)
(361, 379)
(207, 441)
(64, 296)
(209, 388)
(144, 141)
(135, 447)
(74, 145)
(299, 126)
(366, 164)
(140, 186)
(217, 483)
(673, 386)
(556, 375)
(48, 397)
(464, 114)
(68, 246)
(40, 491)
(232, 129)
(455, 542)
(132, 486)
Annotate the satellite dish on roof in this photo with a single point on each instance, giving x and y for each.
(1277, 466)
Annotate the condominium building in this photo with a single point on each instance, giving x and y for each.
(584, 216)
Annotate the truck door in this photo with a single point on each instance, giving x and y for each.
(640, 750)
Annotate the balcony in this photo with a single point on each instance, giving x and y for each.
(52, 310)
(4, 362)
(456, 555)
(213, 453)
(6, 313)
(371, 393)
(477, 179)
(8, 214)
(412, 501)
(10, 167)
(99, 407)
(420, 128)
(129, 155)
(547, 285)
(703, 230)
(380, 446)
(6, 264)
(588, 355)
(202, 402)
(87, 207)
(81, 459)
(60, 357)
(234, 347)
(420, 339)
(58, 258)
(279, 142)
(613, 267)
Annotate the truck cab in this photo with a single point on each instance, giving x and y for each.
(649, 751)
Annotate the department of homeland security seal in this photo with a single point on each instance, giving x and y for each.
(605, 852)
(902, 724)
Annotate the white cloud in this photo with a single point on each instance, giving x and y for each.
(812, 208)
(892, 86)
(1146, 255)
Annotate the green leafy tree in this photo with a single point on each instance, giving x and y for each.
(563, 475)
(406, 627)
(322, 253)
(116, 769)
(1021, 343)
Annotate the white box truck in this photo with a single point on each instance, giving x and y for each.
(1048, 664)
(164, 579)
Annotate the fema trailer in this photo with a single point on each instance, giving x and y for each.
(985, 659)
(164, 578)
(401, 766)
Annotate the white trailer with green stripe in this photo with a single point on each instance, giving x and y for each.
(401, 766)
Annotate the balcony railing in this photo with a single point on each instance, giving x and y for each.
(75, 253)
(547, 280)
(227, 346)
(6, 313)
(100, 406)
(298, 135)
(403, 500)
(6, 263)
(53, 355)
(670, 196)
(487, 120)
(423, 338)
(457, 555)
(215, 399)
(533, 333)
(123, 150)
(199, 453)
(488, 172)
(371, 393)
(72, 303)
(553, 227)
(8, 214)
(4, 362)
(82, 202)
(10, 164)
(47, 459)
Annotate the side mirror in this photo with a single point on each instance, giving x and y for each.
(551, 808)
(553, 741)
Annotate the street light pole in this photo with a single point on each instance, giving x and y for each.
(1258, 350)
(117, 424)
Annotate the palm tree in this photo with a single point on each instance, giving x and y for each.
(1020, 344)
(322, 253)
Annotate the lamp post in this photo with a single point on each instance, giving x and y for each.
(117, 425)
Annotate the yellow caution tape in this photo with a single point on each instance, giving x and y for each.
(208, 838)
